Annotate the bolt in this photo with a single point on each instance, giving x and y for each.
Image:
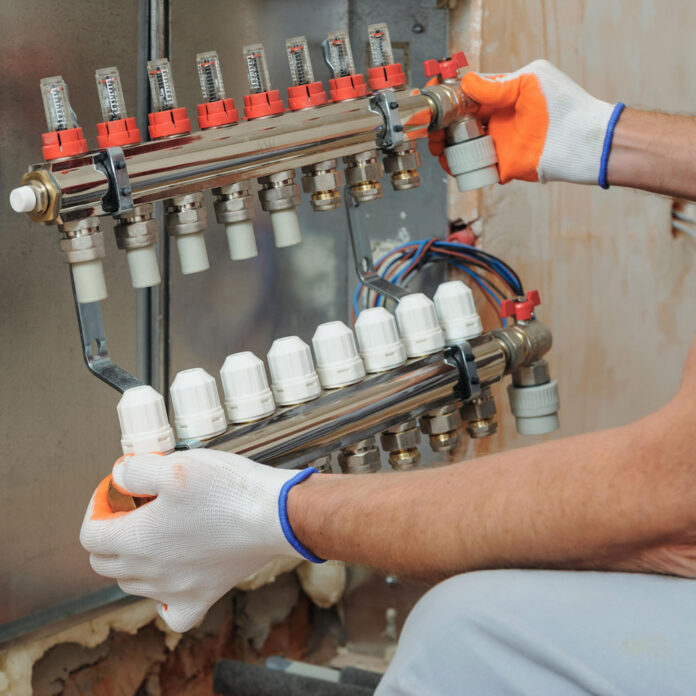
(125, 191)
(417, 28)
(398, 128)
(468, 356)
(474, 380)
(120, 164)
(393, 105)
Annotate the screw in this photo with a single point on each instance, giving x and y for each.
(417, 28)
(474, 380)
(120, 164)
(125, 191)
(398, 128)
(393, 105)
(468, 356)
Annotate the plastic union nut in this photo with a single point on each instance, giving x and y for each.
(535, 408)
(218, 113)
(349, 87)
(306, 96)
(65, 143)
(124, 131)
(169, 122)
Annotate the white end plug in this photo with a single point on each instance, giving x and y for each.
(338, 362)
(144, 424)
(198, 414)
(456, 310)
(241, 240)
(247, 394)
(418, 325)
(293, 378)
(90, 285)
(286, 227)
(193, 255)
(380, 346)
(23, 199)
(143, 267)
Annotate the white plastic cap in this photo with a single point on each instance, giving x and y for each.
(247, 394)
(144, 424)
(286, 228)
(143, 267)
(241, 240)
(338, 362)
(380, 346)
(456, 310)
(418, 325)
(293, 379)
(473, 163)
(23, 199)
(535, 408)
(90, 285)
(198, 414)
(193, 256)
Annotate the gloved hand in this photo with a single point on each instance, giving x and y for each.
(216, 519)
(544, 126)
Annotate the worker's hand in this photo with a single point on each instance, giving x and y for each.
(216, 519)
(544, 126)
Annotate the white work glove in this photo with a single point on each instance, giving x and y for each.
(544, 126)
(216, 519)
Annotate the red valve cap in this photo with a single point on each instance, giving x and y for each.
(349, 87)
(217, 113)
(169, 122)
(305, 96)
(65, 143)
(388, 76)
(124, 131)
(263, 104)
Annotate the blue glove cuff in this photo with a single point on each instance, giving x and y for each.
(283, 514)
(606, 149)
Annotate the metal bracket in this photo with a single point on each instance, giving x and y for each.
(94, 348)
(462, 356)
(112, 162)
(362, 253)
(392, 134)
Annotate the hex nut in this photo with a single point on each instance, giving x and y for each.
(360, 458)
(403, 460)
(402, 437)
(481, 427)
(531, 375)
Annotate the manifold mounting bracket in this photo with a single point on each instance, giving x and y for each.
(112, 163)
(462, 355)
(386, 104)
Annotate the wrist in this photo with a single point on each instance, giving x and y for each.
(291, 506)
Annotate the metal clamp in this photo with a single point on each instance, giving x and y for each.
(392, 134)
(94, 348)
(362, 253)
(112, 162)
(462, 355)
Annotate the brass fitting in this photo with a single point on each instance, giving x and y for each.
(185, 214)
(48, 195)
(136, 228)
(402, 163)
(479, 414)
(234, 203)
(361, 457)
(279, 191)
(322, 181)
(441, 425)
(401, 441)
(363, 172)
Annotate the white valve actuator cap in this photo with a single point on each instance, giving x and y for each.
(456, 310)
(338, 362)
(193, 255)
(378, 338)
(286, 227)
(247, 394)
(198, 414)
(144, 424)
(293, 378)
(418, 325)
(143, 267)
(535, 408)
(90, 285)
(23, 199)
(241, 240)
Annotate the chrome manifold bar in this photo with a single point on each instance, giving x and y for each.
(82, 186)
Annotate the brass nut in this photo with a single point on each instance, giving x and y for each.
(326, 200)
(531, 375)
(235, 207)
(441, 420)
(280, 197)
(444, 442)
(86, 247)
(403, 460)
(322, 465)
(401, 437)
(136, 228)
(405, 180)
(49, 195)
(366, 191)
(482, 427)
(399, 161)
(361, 457)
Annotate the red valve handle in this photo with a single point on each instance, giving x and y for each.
(521, 309)
(446, 68)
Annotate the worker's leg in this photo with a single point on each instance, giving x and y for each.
(549, 632)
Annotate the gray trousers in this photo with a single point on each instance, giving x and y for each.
(549, 632)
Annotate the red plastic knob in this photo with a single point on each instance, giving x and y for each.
(169, 122)
(263, 104)
(217, 113)
(65, 143)
(521, 309)
(305, 96)
(349, 87)
(447, 68)
(124, 131)
(387, 76)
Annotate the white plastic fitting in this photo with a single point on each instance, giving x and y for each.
(473, 163)
(338, 362)
(286, 227)
(378, 338)
(23, 199)
(418, 325)
(247, 394)
(241, 240)
(144, 424)
(535, 408)
(143, 267)
(456, 310)
(198, 414)
(293, 378)
(90, 285)
(193, 255)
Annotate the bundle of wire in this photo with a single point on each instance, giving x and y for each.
(496, 278)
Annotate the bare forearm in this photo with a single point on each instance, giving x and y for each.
(595, 500)
(654, 152)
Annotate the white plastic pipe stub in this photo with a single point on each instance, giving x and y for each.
(143, 267)
(418, 325)
(535, 408)
(378, 339)
(144, 424)
(241, 240)
(198, 414)
(193, 255)
(90, 284)
(293, 378)
(286, 227)
(456, 310)
(473, 163)
(338, 362)
(23, 199)
(247, 394)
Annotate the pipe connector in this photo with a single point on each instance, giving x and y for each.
(401, 441)
(361, 457)
(442, 425)
(136, 232)
(479, 414)
(322, 180)
(82, 245)
(186, 221)
(279, 196)
(235, 209)
(534, 399)
(363, 172)
(402, 163)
